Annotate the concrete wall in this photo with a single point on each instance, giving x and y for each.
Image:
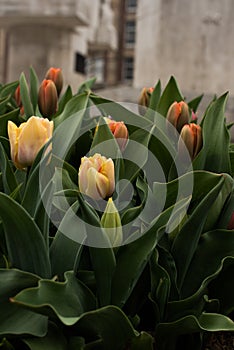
(192, 40)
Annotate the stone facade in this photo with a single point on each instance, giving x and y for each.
(192, 40)
(57, 33)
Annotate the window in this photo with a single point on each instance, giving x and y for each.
(95, 68)
(130, 28)
(131, 6)
(128, 69)
(79, 63)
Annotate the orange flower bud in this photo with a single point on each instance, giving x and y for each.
(18, 97)
(191, 134)
(120, 132)
(55, 74)
(97, 177)
(178, 114)
(47, 98)
(27, 139)
(144, 99)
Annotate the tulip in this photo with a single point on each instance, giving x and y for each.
(144, 99)
(120, 132)
(48, 98)
(96, 176)
(191, 135)
(27, 139)
(55, 74)
(18, 96)
(231, 223)
(111, 223)
(178, 114)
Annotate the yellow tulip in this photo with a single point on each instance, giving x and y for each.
(96, 176)
(27, 139)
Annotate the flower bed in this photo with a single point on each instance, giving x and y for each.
(117, 220)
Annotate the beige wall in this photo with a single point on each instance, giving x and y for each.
(192, 40)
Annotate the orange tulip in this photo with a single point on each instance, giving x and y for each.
(144, 99)
(191, 135)
(178, 114)
(55, 74)
(120, 132)
(48, 98)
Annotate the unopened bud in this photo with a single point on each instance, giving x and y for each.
(144, 99)
(178, 114)
(48, 98)
(111, 223)
(55, 74)
(191, 137)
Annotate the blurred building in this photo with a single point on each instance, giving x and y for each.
(60, 33)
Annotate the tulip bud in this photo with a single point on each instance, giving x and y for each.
(27, 139)
(55, 74)
(144, 99)
(47, 98)
(18, 96)
(178, 114)
(120, 132)
(97, 176)
(231, 223)
(191, 135)
(111, 223)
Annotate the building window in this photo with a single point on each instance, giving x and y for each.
(131, 6)
(130, 29)
(95, 68)
(128, 69)
(79, 63)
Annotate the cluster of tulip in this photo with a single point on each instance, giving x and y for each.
(79, 173)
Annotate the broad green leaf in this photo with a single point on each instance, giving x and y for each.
(54, 340)
(190, 324)
(214, 155)
(25, 243)
(132, 258)
(144, 341)
(212, 248)
(25, 97)
(8, 177)
(13, 116)
(75, 106)
(66, 300)
(64, 100)
(109, 325)
(14, 319)
(86, 85)
(170, 94)
(186, 241)
(3, 104)
(33, 88)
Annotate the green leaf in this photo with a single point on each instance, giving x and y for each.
(193, 104)
(170, 94)
(144, 341)
(76, 105)
(154, 99)
(214, 155)
(186, 241)
(64, 100)
(14, 319)
(108, 324)
(25, 244)
(33, 88)
(66, 300)
(28, 108)
(54, 340)
(212, 248)
(8, 89)
(13, 116)
(86, 85)
(8, 177)
(190, 324)
(3, 104)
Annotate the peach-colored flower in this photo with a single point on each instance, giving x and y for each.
(55, 74)
(96, 176)
(120, 132)
(27, 139)
(178, 114)
(47, 98)
(191, 134)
